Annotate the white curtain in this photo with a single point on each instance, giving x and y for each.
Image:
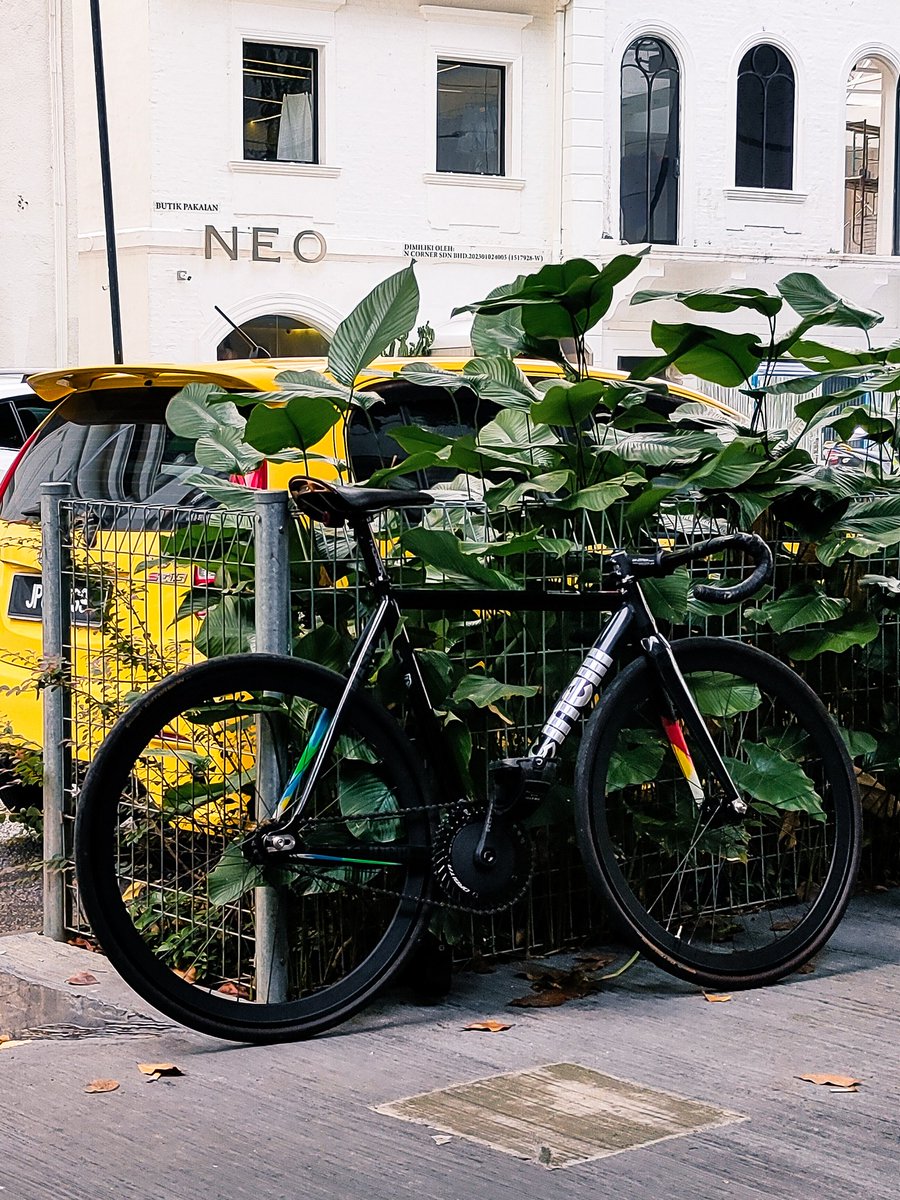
(295, 130)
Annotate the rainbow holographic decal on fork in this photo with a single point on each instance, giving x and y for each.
(675, 734)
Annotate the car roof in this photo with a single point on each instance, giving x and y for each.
(11, 389)
(259, 374)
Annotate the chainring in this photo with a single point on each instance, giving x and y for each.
(481, 887)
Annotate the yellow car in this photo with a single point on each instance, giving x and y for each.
(106, 434)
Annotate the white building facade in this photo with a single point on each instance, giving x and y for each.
(277, 158)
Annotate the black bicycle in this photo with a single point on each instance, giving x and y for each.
(259, 844)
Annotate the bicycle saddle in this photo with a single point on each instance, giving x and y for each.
(334, 503)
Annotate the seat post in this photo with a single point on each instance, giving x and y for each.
(371, 555)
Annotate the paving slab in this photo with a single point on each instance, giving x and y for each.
(302, 1120)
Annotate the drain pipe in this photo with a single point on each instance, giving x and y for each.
(559, 113)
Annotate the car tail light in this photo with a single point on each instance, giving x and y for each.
(6, 479)
(203, 577)
(254, 479)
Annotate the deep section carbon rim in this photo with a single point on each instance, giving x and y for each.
(214, 940)
(737, 903)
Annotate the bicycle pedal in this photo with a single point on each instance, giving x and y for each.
(519, 784)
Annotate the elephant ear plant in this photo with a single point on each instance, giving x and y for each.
(568, 465)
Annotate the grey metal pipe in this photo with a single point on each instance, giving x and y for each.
(56, 617)
(273, 636)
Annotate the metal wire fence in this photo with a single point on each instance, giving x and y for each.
(151, 590)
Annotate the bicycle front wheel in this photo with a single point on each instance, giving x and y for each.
(728, 905)
(169, 884)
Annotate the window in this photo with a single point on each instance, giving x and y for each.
(470, 117)
(649, 167)
(765, 120)
(278, 335)
(871, 160)
(280, 102)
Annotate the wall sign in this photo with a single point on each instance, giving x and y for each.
(308, 246)
(185, 206)
(467, 253)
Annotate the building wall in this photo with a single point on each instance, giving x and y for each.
(37, 222)
(174, 77)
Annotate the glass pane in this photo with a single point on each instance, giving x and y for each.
(280, 120)
(765, 120)
(649, 165)
(280, 336)
(470, 116)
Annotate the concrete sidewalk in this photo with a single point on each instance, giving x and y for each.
(298, 1121)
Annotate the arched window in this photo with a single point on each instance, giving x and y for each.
(648, 191)
(765, 120)
(278, 335)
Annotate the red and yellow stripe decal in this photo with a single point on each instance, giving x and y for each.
(675, 734)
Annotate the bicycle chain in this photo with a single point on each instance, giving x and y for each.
(432, 902)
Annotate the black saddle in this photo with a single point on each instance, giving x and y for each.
(334, 503)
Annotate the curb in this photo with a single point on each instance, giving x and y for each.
(36, 1000)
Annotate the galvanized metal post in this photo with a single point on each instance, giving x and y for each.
(56, 616)
(273, 636)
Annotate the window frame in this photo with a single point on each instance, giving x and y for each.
(487, 64)
(311, 47)
(764, 185)
(669, 43)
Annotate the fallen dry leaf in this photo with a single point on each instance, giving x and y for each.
(806, 969)
(541, 1000)
(82, 979)
(235, 989)
(487, 1026)
(102, 1085)
(189, 976)
(717, 997)
(155, 1071)
(784, 926)
(441, 1139)
(84, 944)
(10, 1043)
(838, 1081)
(594, 962)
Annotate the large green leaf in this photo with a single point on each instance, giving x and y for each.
(232, 877)
(775, 780)
(362, 792)
(668, 597)
(484, 690)
(570, 405)
(725, 358)
(599, 496)
(388, 312)
(443, 551)
(297, 425)
(809, 297)
(853, 629)
(658, 448)
(717, 300)
(636, 760)
(731, 467)
(721, 694)
(804, 604)
(227, 628)
(217, 429)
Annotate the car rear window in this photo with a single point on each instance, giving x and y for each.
(87, 444)
(371, 446)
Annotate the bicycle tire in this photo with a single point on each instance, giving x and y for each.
(145, 837)
(678, 888)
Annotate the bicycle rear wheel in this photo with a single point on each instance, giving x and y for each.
(220, 944)
(748, 902)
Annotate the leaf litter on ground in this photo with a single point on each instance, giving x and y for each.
(82, 979)
(834, 1083)
(553, 986)
(155, 1071)
(102, 1085)
(486, 1027)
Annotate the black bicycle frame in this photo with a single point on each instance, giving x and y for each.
(632, 620)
